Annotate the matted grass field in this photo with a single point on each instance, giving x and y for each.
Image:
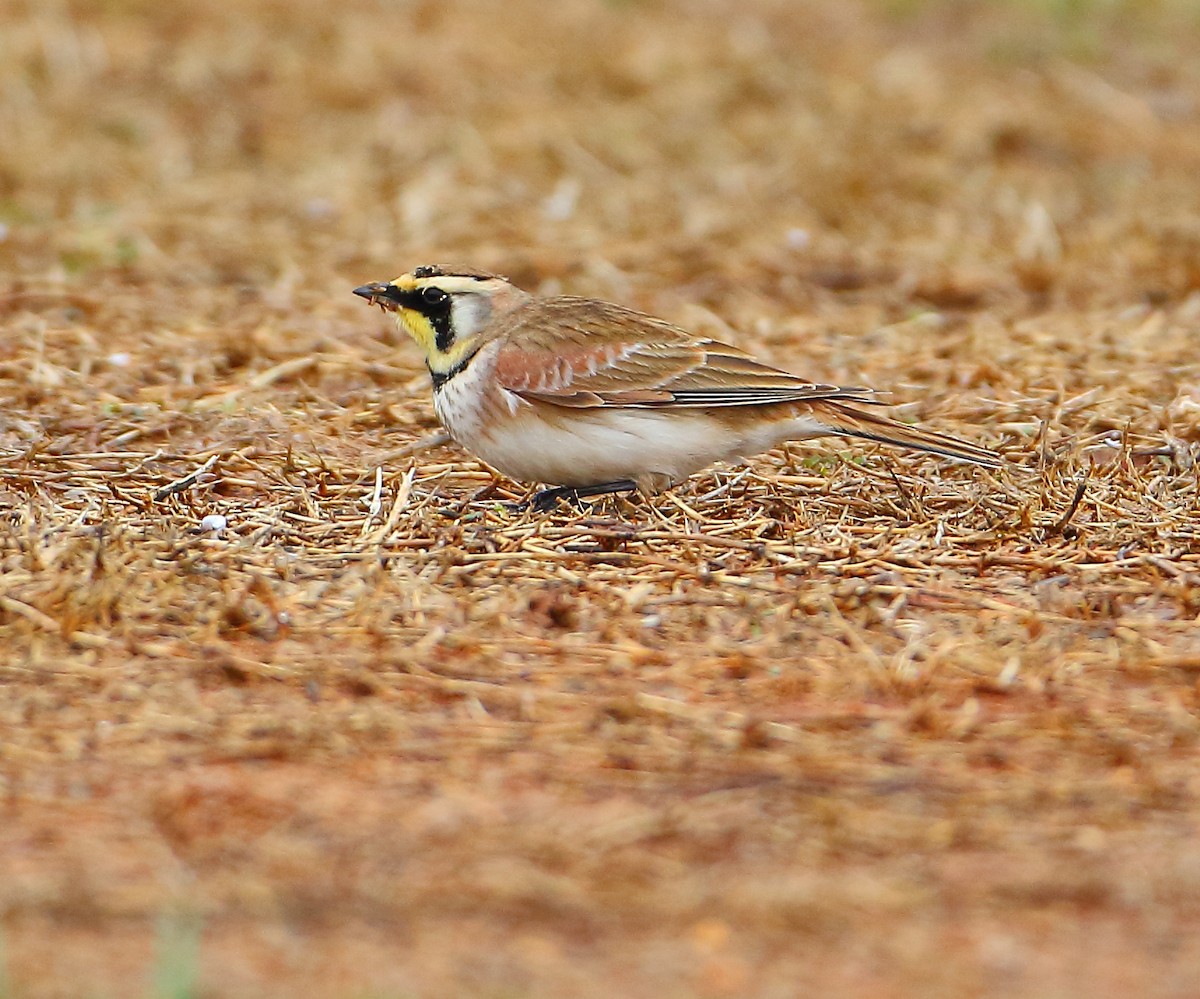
(837, 721)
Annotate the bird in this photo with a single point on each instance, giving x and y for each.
(587, 397)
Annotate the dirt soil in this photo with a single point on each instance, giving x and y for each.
(840, 720)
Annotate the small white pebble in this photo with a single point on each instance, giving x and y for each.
(320, 209)
(120, 360)
(213, 522)
(1008, 675)
(560, 205)
(798, 239)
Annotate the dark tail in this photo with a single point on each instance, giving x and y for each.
(857, 423)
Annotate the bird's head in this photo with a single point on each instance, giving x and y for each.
(446, 310)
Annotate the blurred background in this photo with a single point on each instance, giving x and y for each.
(953, 153)
(773, 169)
(991, 208)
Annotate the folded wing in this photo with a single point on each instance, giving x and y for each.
(579, 353)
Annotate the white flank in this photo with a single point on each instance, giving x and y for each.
(593, 446)
(585, 447)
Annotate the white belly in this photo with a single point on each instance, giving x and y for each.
(585, 447)
(539, 442)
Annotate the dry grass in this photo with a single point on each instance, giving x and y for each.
(838, 720)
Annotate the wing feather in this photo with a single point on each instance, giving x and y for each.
(581, 353)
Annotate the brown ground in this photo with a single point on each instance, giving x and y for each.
(839, 721)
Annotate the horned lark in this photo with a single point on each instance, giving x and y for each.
(594, 398)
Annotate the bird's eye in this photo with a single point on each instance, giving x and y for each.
(434, 296)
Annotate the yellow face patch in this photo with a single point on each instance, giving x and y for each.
(418, 326)
(442, 313)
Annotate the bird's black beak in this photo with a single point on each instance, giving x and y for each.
(370, 291)
(379, 293)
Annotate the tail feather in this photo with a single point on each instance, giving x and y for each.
(852, 422)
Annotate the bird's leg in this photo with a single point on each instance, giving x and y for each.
(546, 499)
(486, 493)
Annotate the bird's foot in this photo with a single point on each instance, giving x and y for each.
(546, 500)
